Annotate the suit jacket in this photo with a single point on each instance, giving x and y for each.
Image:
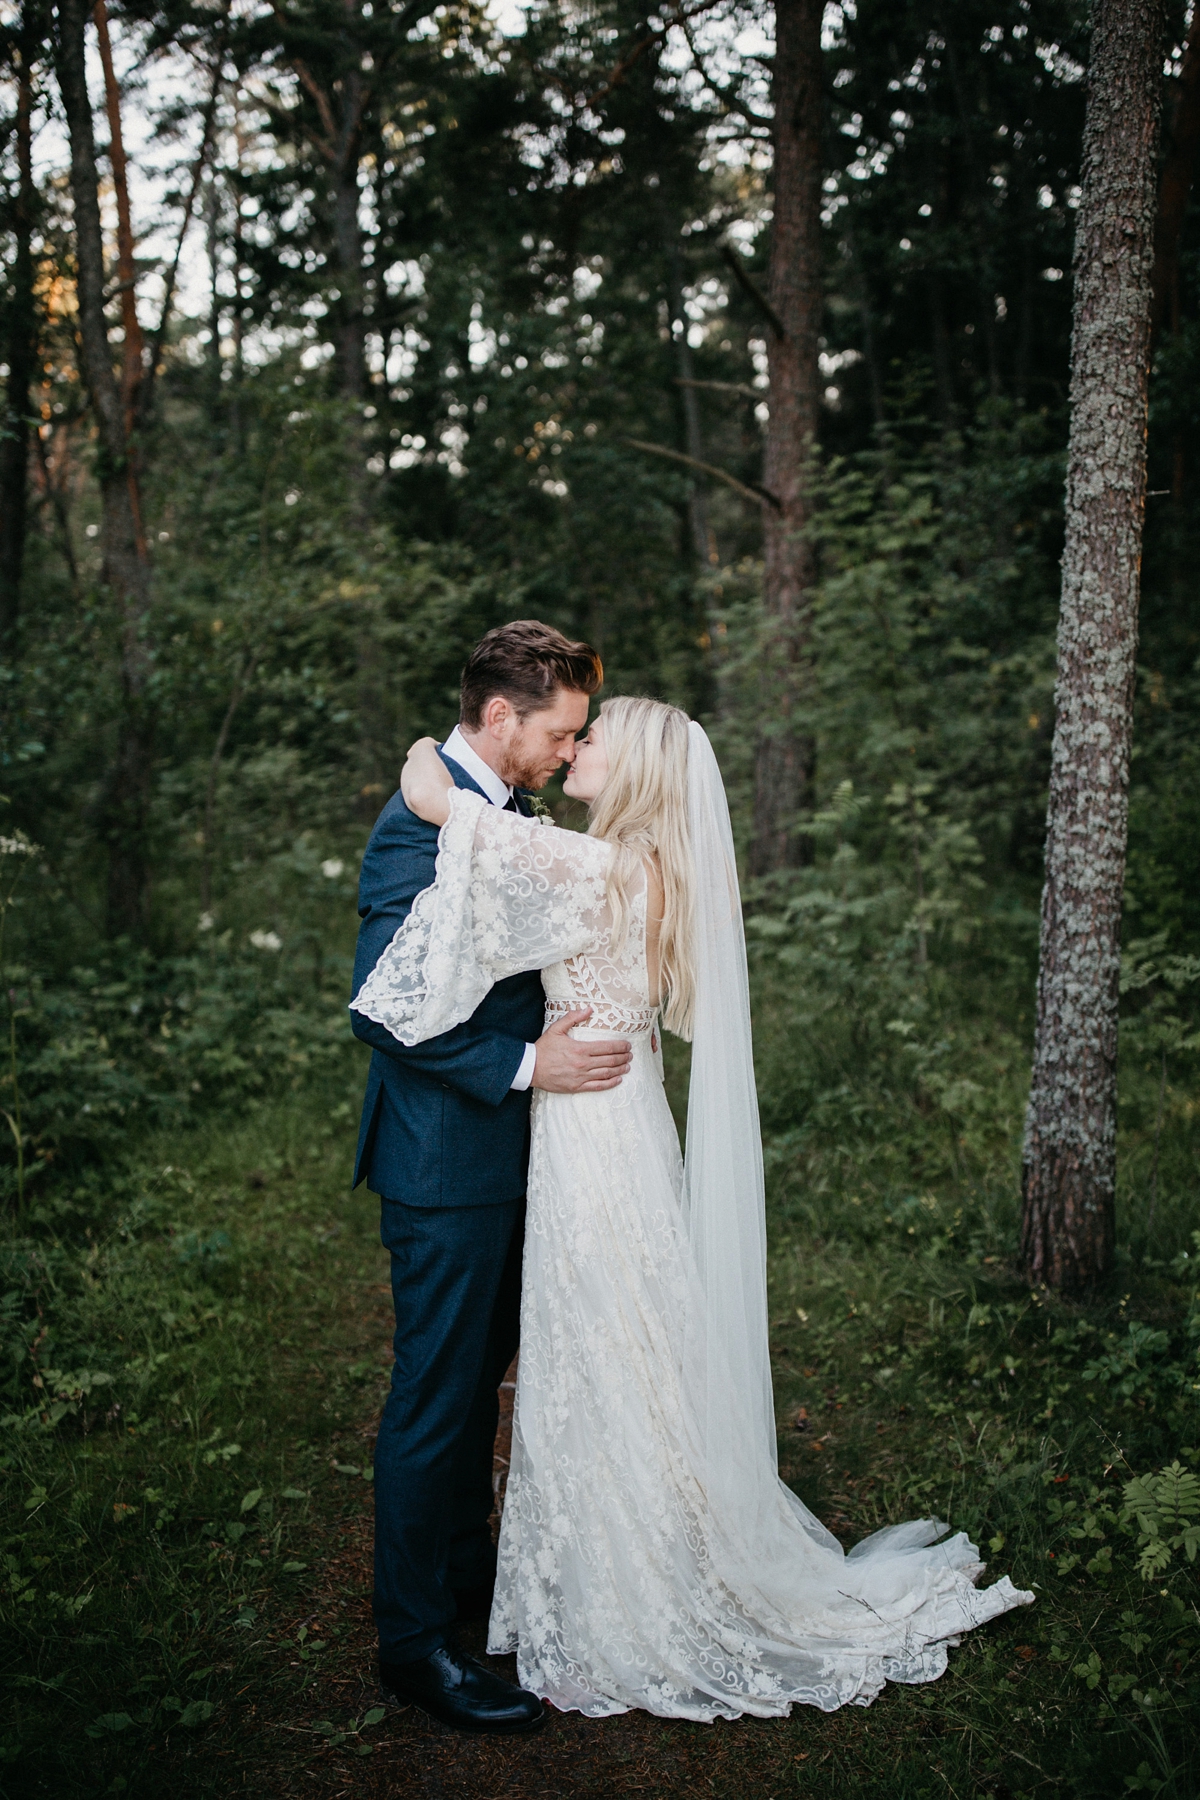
(441, 1125)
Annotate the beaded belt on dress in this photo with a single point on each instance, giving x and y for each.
(628, 1020)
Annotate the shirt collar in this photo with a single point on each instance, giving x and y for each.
(458, 750)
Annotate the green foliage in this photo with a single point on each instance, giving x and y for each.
(163, 1432)
(183, 1390)
(141, 1041)
(1166, 1507)
(919, 1379)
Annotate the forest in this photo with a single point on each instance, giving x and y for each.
(736, 338)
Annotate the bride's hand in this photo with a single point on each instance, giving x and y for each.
(425, 782)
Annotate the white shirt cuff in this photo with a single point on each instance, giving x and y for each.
(523, 1078)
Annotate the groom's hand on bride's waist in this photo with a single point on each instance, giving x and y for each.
(567, 1065)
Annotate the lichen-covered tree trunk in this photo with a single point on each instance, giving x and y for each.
(1069, 1176)
(783, 771)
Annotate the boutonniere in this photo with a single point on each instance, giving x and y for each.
(539, 809)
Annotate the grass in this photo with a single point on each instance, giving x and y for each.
(186, 1551)
(159, 1540)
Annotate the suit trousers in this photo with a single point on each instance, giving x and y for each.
(456, 1283)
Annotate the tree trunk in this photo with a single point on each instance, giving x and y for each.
(862, 291)
(238, 328)
(784, 761)
(351, 332)
(1069, 1176)
(126, 568)
(1174, 192)
(21, 356)
(154, 361)
(55, 484)
(212, 243)
(1175, 183)
(943, 373)
(702, 544)
(1024, 357)
(340, 106)
(133, 351)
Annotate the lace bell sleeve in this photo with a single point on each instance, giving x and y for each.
(510, 895)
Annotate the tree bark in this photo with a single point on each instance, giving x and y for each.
(133, 351)
(21, 356)
(159, 334)
(212, 244)
(54, 490)
(341, 99)
(351, 333)
(784, 759)
(126, 568)
(943, 374)
(242, 680)
(1069, 1178)
(702, 546)
(340, 107)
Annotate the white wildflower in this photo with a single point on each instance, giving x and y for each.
(204, 922)
(266, 940)
(17, 846)
(332, 867)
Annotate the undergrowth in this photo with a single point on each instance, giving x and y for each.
(194, 1348)
(179, 1376)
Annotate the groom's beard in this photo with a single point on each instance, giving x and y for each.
(520, 768)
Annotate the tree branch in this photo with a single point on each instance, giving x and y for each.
(758, 495)
(323, 108)
(752, 289)
(726, 96)
(636, 51)
(723, 387)
(160, 330)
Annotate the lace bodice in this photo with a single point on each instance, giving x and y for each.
(511, 895)
(614, 985)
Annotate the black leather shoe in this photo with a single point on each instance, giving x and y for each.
(453, 1687)
(474, 1602)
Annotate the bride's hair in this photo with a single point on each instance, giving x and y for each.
(642, 809)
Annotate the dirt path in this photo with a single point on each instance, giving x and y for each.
(279, 1750)
(305, 1726)
(571, 1757)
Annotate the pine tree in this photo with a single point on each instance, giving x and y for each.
(1069, 1177)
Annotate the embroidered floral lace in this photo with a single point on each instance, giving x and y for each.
(633, 1572)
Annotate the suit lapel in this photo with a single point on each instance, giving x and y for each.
(460, 776)
(463, 780)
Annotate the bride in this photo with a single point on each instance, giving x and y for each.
(649, 1554)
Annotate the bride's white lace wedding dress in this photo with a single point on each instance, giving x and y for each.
(649, 1555)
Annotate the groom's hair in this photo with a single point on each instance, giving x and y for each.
(527, 663)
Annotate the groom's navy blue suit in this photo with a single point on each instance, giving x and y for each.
(444, 1141)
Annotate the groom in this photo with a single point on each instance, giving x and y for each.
(444, 1142)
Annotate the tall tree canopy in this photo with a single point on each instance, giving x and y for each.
(745, 357)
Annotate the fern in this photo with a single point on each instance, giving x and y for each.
(1166, 1509)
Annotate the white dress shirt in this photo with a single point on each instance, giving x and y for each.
(499, 793)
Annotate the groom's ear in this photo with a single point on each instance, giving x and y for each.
(498, 716)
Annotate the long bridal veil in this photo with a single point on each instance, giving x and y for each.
(727, 1364)
(831, 1626)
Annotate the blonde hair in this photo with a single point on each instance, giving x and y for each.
(642, 810)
